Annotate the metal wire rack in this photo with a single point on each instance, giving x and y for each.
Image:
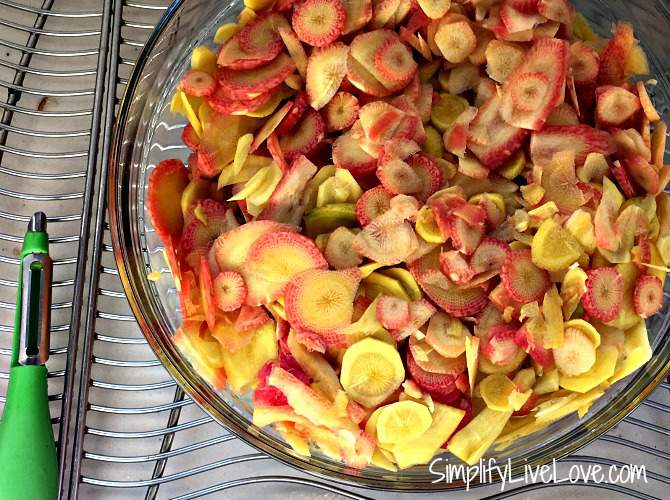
(124, 427)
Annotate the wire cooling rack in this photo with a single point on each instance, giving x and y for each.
(125, 429)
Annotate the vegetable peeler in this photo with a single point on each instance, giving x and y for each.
(28, 463)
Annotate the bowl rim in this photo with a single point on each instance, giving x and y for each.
(206, 398)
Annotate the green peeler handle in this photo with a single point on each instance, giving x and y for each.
(28, 463)
(27, 449)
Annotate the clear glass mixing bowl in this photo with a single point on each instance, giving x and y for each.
(147, 132)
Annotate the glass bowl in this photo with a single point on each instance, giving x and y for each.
(147, 132)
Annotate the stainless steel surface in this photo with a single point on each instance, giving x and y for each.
(49, 123)
(38, 222)
(132, 432)
(39, 276)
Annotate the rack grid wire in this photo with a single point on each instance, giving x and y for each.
(125, 429)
